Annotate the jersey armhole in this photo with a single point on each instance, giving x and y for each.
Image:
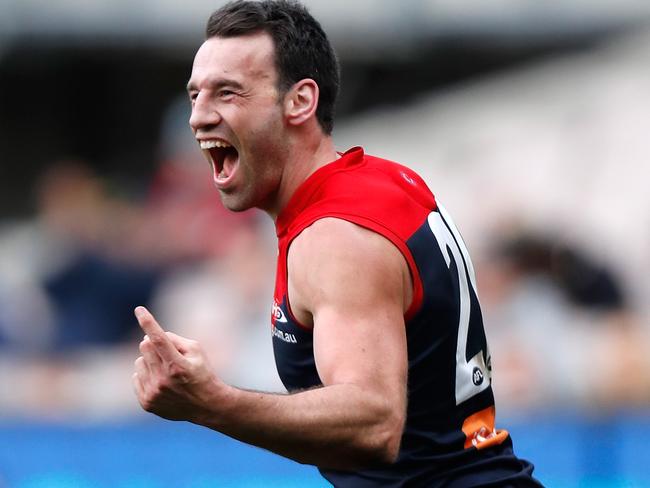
(286, 280)
(418, 291)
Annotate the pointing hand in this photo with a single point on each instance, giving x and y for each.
(172, 378)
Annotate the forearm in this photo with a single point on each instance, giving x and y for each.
(356, 421)
(339, 426)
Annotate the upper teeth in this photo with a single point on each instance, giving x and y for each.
(213, 143)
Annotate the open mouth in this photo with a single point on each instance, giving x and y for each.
(222, 156)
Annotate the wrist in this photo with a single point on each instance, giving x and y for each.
(217, 406)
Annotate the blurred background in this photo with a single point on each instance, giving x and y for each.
(528, 119)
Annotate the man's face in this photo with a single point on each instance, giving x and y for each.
(238, 119)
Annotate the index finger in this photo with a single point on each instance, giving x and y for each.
(163, 344)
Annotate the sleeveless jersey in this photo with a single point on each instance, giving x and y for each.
(449, 437)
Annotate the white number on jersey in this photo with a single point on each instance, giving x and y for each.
(472, 376)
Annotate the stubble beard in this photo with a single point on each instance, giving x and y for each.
(261, 181)
(261, 167)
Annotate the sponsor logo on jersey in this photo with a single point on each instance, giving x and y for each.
(277, 315)
(407, 178)
(477, 376)
(483, 435)
(284, 336)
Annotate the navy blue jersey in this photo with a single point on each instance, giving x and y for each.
(449, 436)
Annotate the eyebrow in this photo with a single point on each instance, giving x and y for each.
(217, 84)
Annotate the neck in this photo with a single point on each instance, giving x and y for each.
(304, 159)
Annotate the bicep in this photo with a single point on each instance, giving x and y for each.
(354, 284)
(366, 350)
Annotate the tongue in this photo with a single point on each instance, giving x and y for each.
(230, 159)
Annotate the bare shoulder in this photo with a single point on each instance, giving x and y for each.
(334, 246)
(333, 234)
(334, 260)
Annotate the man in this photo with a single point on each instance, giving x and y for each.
(377, 330)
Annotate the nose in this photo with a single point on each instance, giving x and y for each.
(204, 116)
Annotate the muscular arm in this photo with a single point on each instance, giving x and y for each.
(352, 286)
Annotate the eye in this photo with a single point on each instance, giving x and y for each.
(226, 94)
(193, 96)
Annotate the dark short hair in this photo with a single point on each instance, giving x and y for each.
(302, 49)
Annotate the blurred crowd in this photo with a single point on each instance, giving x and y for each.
(71, 276)
(562, 331)
(567, 324)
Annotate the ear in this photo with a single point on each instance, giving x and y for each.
(301, 101)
